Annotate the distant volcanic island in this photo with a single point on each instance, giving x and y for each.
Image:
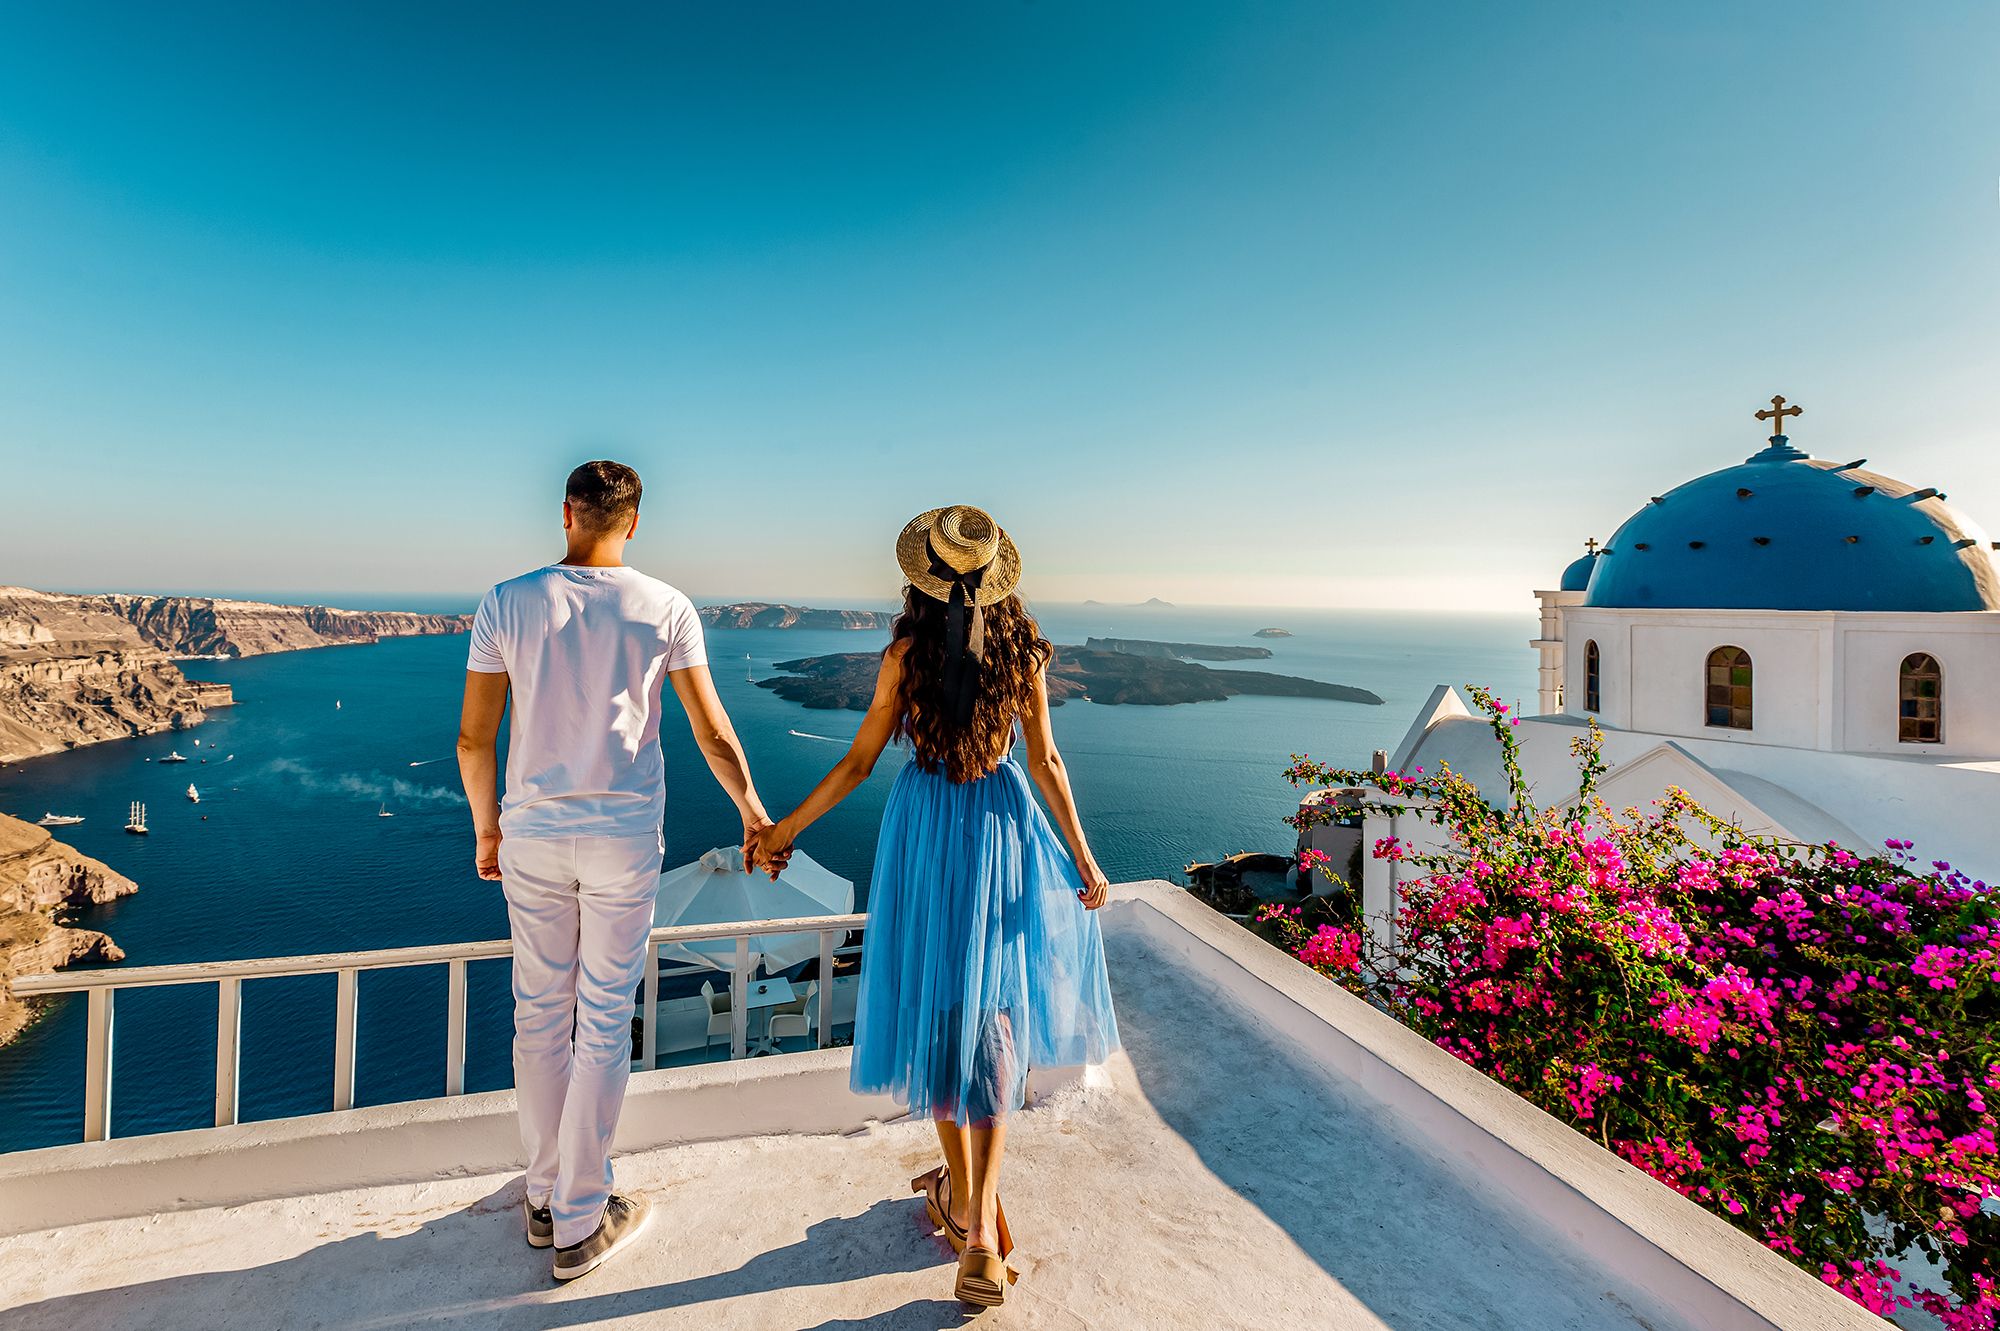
(1272, 633)
(1112, 671)
(765, 615)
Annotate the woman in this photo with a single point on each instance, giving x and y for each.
(980, 959)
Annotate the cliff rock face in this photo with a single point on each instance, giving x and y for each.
(41, 882)
(81, 669)
(202, 626)
(761, 615)
(52, 703)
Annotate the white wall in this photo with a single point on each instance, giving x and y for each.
(1823, 680)
(1551, 670)
(1967, 646)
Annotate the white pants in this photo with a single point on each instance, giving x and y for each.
(580, 908)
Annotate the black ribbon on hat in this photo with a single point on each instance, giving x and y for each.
(964, 637)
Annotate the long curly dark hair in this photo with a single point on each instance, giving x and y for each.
(1015, 653)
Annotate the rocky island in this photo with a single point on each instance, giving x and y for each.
(1272, 633)
(78, 670)
(765, 615)
(41, 882)
(1183, 651)
(846, 682)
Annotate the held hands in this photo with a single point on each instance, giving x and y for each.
(767, 846)
(1096, 887)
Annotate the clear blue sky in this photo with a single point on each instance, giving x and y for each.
(1265, 303)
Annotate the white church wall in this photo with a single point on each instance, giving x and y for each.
(1670, 679)
(1654, 671)
(1823, 680)
(1967, 647)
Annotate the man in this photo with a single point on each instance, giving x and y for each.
(586, 647)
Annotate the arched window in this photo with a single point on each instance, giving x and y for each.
(1920, 700)
(1729, 688)
(1592, 673)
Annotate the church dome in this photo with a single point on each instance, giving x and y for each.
(1784, 531)
(1576, 577)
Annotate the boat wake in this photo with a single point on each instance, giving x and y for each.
(824, 739)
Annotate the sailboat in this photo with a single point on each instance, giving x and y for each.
(60, 820)
(383, 812)
(137, 825)
(194, 796)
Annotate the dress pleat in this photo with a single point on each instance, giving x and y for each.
(979, 962)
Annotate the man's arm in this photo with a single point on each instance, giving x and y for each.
(719, 745)
(479, 764)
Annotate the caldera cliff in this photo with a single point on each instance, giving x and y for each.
(765, 615)
(78, 670)
(42, 882)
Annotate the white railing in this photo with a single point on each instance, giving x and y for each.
(228, 977)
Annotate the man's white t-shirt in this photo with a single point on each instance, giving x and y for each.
(586, 652)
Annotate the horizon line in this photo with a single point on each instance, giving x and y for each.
(353, 599)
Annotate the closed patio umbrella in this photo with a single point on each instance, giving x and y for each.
(715, 890)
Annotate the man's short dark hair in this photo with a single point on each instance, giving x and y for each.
(602, 495)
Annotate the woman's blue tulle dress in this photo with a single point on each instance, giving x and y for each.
(978, 962)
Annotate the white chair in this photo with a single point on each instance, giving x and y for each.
(718, 1012)
(788, 1026)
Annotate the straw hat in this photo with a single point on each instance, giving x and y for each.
(962, 539)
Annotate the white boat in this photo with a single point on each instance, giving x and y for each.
(175, 757)
(60, 820)
(194, 796)
(137, 825)
(383, 812)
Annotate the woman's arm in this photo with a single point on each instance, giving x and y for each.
(1051, 777)
(773, 846)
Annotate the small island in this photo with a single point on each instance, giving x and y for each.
(846, 681)
(767, 615)
(1183, 651)
(1272, 633)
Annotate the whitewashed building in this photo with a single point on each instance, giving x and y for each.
(1809, 648)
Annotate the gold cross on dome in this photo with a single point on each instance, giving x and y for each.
(1776, 413)
(1590, 546)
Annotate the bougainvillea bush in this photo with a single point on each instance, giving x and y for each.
(1801, 1038)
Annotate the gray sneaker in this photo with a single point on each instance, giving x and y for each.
(541, 1225)
(624, 1218)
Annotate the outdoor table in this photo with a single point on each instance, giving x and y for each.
(765, 994)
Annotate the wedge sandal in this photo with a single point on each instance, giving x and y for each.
(982, 1278)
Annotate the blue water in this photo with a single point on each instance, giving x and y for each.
(285, 854)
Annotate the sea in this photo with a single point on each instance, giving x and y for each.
(287, 851)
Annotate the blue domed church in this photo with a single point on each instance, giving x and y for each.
(1809, 647)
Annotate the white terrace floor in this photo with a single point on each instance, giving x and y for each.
(1267, 1153)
